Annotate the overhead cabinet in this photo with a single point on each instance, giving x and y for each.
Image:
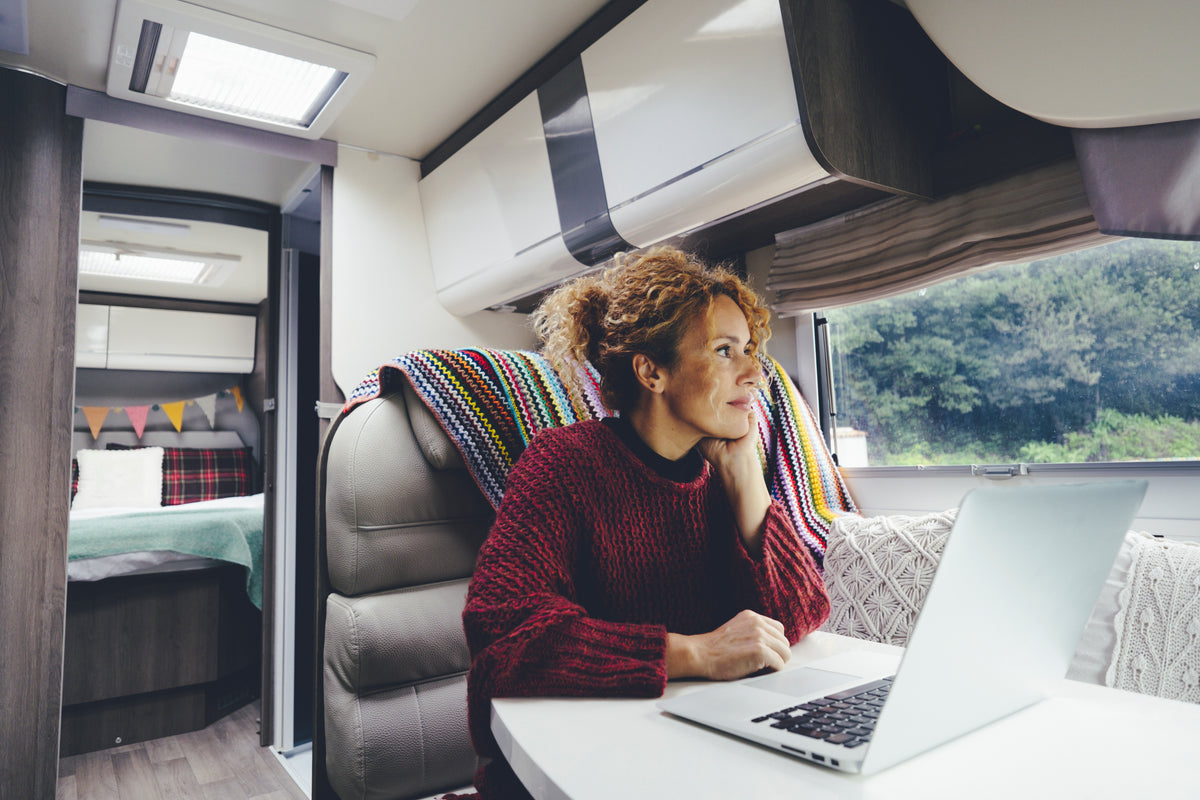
(680, 117)
(695, 114)
(491, 217)
(91, 336)
(124, 337)
(688, 109)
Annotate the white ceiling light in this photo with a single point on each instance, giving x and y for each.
(123, 260)
(178, 55)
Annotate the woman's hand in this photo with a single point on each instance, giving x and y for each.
(746, 644)
(736, 461)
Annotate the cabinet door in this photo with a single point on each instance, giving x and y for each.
(180, 341)
(491, 216)
(91, 336)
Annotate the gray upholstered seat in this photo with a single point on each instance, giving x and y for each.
(401, 523)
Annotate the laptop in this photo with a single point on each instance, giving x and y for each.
(1018, 578)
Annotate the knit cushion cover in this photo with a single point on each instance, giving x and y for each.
(1158, 621)
(878, 571)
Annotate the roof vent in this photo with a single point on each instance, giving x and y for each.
(191, 59)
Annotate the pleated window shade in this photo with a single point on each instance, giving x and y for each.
(902, 244)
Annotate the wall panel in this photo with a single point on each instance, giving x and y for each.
(40, 184)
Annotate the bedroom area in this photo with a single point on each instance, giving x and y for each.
(187, 541)
(165, 542)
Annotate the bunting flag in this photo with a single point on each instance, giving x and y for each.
(98, 415)
(95, 417)
(137, 417)
(174, 412)
(208, 404)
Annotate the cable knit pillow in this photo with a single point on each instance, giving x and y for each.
(1158, 621)
(878, 570)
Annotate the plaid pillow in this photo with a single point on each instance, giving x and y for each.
(192, 474)
(74, 478)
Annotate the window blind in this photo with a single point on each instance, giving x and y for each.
(902, 244)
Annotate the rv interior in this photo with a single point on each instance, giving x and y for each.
(861, 161)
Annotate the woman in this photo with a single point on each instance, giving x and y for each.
(632, 550)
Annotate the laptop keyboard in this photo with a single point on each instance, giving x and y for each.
(846, 718)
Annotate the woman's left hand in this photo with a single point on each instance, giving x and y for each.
(734, 457)
(736, 462)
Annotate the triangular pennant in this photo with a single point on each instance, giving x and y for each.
(137, 416)
(174, 413)
(208, 405)
(237, 395)
(95, 417)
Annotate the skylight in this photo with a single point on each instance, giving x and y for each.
(192, 59)
(234, 79)
(118, 260)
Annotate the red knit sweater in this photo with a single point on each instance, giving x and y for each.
(594, 557)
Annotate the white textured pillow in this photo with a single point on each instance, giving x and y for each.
(1157, 648)
(878, 570)
(119, 478)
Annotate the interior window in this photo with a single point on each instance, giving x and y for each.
(1086, 357)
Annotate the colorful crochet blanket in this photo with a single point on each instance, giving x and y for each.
(492, 402)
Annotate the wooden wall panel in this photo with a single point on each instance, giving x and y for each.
(40, 156)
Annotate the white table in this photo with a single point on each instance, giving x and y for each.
(1085, 742)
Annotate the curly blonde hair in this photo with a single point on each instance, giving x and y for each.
(644, 304)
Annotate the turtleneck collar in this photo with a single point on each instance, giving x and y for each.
(685, 470)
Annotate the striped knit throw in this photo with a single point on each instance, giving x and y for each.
(492, 402)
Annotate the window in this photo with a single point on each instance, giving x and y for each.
(1090, 356)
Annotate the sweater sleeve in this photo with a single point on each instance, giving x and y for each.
(784, 583)
(526, 632)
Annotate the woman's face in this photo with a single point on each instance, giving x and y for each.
(710, 388)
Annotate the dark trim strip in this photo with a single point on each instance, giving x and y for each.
(570, 48)
(149, 201)
(143, 62)
(168, 303)
(575, 167)
(99, 106)
(793, 49)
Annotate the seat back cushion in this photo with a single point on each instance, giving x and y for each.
(391, 517)
(395, 668)
(402, 522)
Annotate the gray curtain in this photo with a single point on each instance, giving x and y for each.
(1143, 180)
(902, 244)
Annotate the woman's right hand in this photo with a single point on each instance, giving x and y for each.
(742, 646)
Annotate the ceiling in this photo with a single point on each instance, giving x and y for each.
(436, 65)
(438, 62)
(245, 284)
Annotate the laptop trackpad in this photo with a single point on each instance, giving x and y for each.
(803, 681)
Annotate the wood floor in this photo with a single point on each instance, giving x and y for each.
(222, 762)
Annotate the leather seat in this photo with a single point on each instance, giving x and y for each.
(401, 522)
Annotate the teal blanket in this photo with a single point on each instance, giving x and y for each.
(228, 534)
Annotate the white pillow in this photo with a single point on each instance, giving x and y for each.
(119, 478)
(1097, 645)
(878, 571)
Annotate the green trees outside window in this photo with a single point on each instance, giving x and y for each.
(1089, 356)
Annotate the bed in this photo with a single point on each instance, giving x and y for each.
(163, 628)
